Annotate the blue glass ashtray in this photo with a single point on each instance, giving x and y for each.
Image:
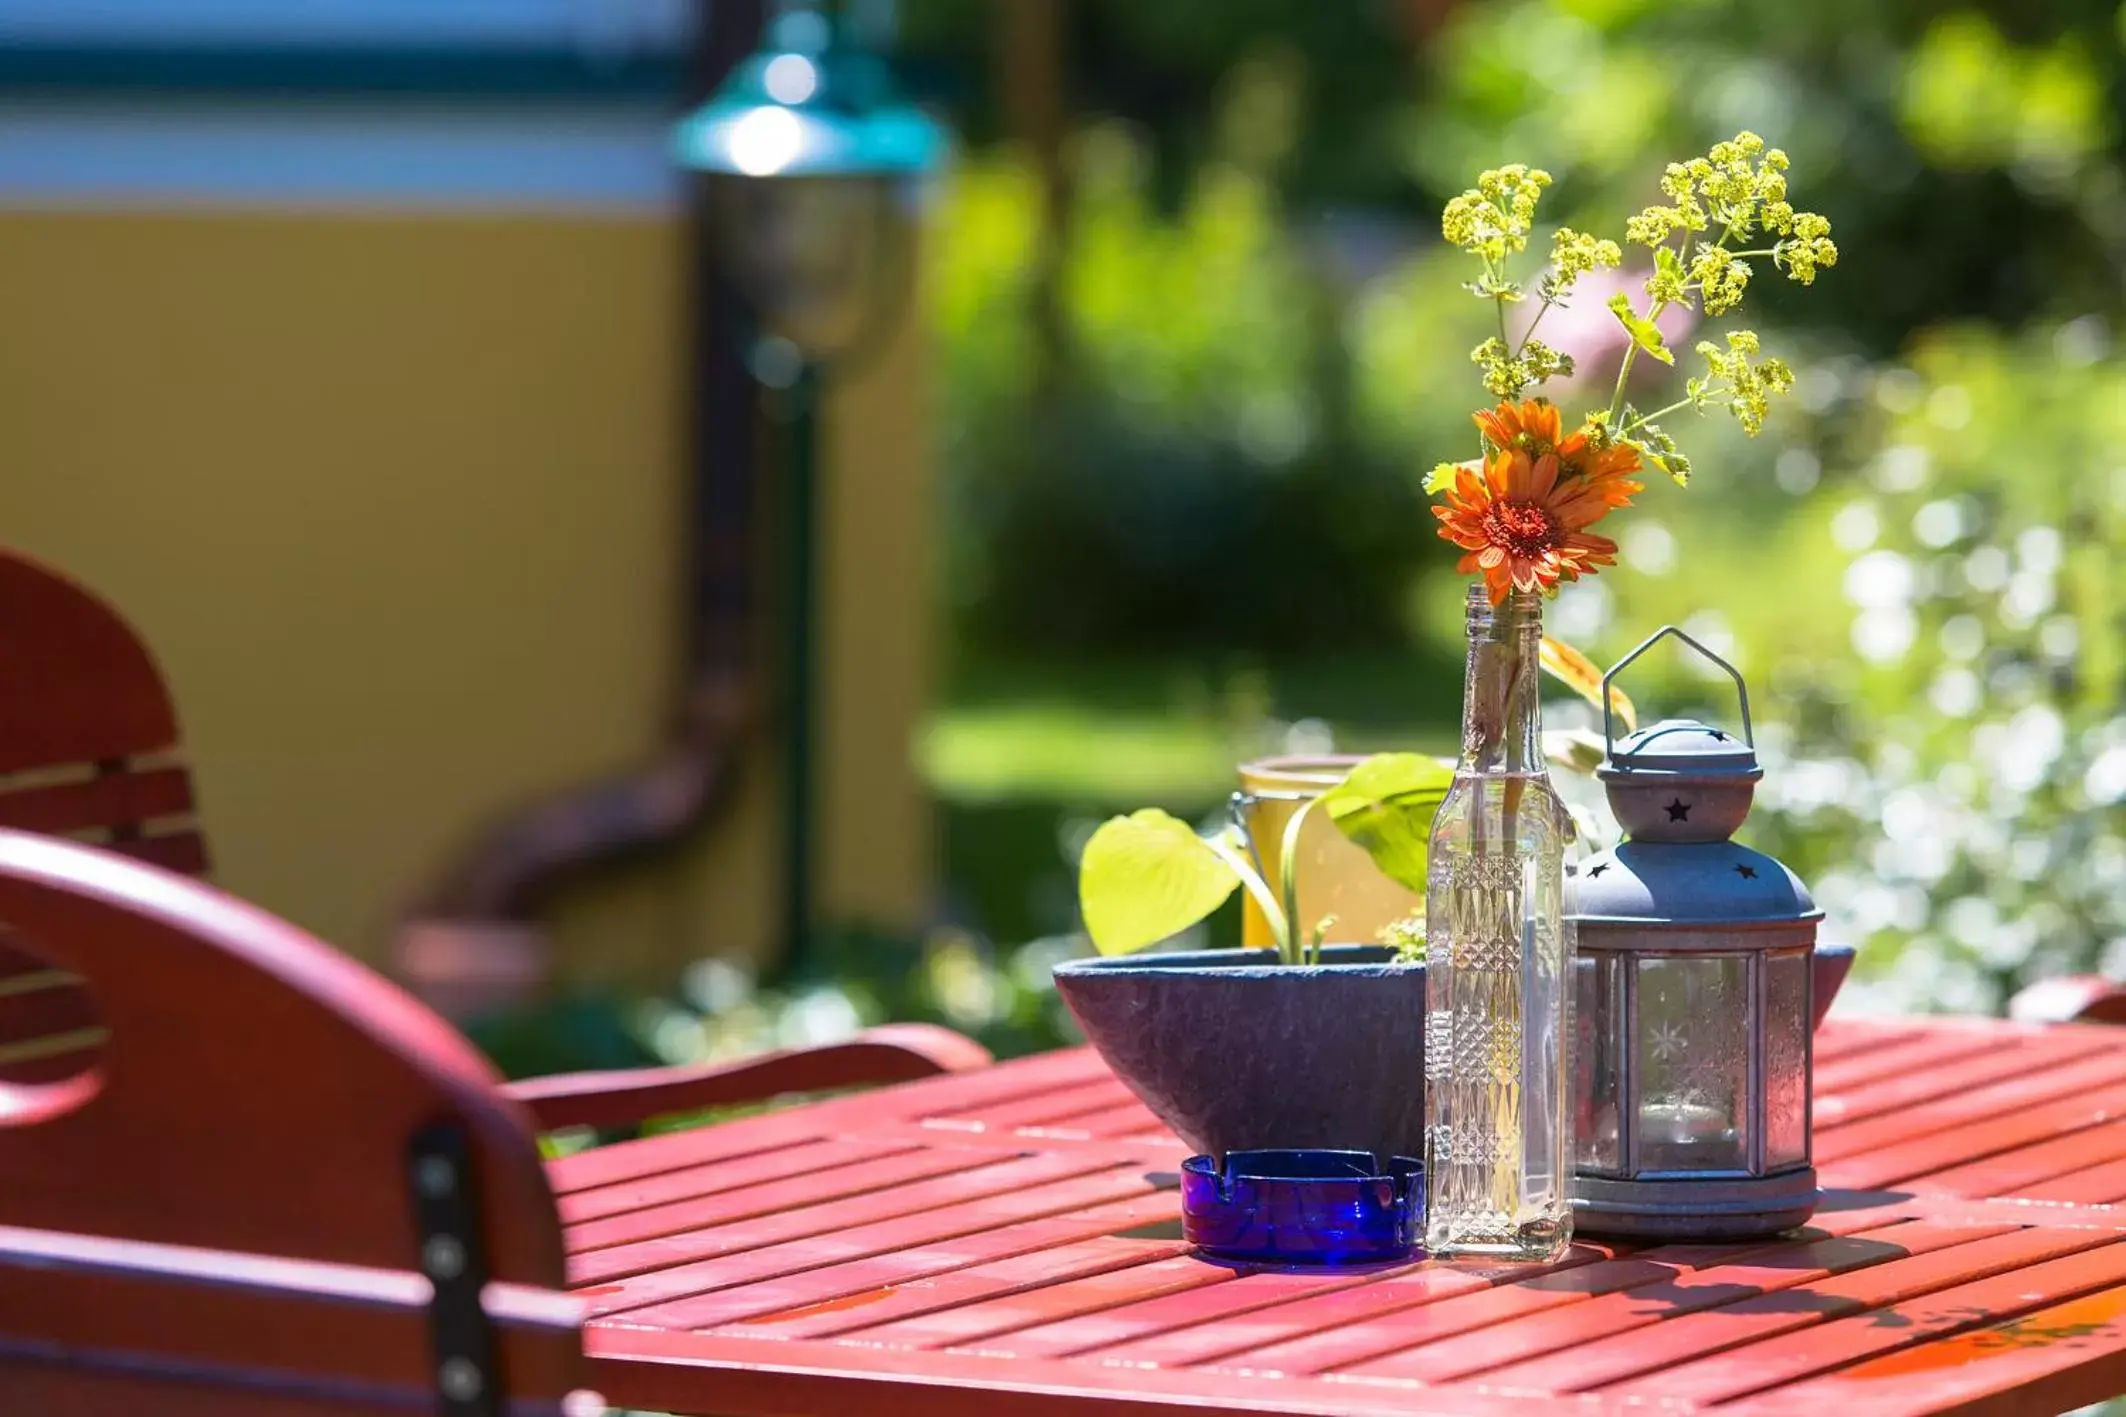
(1304, 1207)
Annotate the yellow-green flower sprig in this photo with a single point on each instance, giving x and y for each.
(1716, 203)
(1699, 239)
(1493, 221)
(1746, 388)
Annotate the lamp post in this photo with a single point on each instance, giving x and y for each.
(805, 160)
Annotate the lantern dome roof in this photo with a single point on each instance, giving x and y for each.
(1686, 885)
(1682, 746)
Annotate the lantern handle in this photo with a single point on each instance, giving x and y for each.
(1609, 735)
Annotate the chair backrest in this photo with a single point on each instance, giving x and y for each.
(284, 1186)
(88, 750)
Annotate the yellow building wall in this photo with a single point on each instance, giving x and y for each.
(397, 501)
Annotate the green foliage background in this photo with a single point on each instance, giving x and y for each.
(1264, 340)
(1184, 527)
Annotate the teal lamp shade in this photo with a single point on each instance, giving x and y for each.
(807, 156)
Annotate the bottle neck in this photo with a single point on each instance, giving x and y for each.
(1502, 705)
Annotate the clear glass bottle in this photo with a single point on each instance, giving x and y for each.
(1498, 985)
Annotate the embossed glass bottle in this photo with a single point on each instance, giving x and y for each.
(1499, 965)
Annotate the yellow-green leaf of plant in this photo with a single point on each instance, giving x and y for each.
(1145, 877)
(1644, 332)
(1386, 805)
(1578, 673)
(1441, 478)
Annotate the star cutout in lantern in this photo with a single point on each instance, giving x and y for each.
(1679, 811)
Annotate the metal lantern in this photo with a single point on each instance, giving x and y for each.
(1694, 996)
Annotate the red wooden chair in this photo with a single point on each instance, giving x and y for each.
(283, 1186)
(88, 749)
(2071, 998)
(225, 1149)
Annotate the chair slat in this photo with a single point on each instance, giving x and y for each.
(182, 852)
(339, 1334)
(118, 799)
(62, 1006)
(49, 1026)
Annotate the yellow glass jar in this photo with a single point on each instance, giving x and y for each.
(1334, 877)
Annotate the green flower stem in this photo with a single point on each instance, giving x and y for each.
(1631, 352)
(1265, 898)
(1645, 418)
(1529, 333)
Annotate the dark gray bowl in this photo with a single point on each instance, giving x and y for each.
(1236, 1052)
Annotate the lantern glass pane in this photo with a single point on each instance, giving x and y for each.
(1598, 1060)
(1786, 1059)
(1693, 1063)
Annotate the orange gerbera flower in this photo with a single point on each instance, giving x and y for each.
(1532, 426)
(1523, 525)
(1607, 471)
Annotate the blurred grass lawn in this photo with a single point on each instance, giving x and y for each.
(1026, 759)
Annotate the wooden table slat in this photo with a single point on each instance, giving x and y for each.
(1902, 1055)
(1648, 1355)
(1683, 1291)
(809, 1303)
(997, 1317)
(1827, 1346)
(1911, 1086)
(718, 1177)
(2023, 1169)
(1980, 1136)
(2102, 1184)
(2053, 1360)
(957, 1185)
(863, 1184)
(915, 1282)
(1961, 1110)
(672, 1151)
(972, 1213)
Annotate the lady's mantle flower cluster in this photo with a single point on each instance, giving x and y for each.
(1520, 510)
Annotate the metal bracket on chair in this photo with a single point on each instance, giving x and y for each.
(439, 1176)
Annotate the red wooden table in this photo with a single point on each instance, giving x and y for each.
(1007, 1241)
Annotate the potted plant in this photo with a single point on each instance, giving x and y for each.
(1302, 1044)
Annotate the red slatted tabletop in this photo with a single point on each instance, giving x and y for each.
(1008, 1241)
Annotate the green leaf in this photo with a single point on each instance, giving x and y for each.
(1441, 478)
(1145, 877)
(1385, 805)
(1643, 331)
